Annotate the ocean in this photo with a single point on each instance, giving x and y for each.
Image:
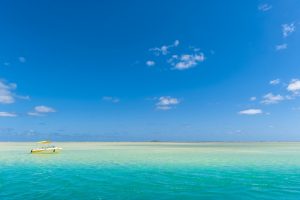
(142, 171)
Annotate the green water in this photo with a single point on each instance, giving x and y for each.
(151, 171)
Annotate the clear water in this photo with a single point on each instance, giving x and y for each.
(151, 171)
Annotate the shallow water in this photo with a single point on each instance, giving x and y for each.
(151, 171)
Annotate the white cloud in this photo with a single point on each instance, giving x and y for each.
(252, 98)
(281, 47)
(264, 7)
(164, 50)
(274, 82)
(7, 114)
(288, 29)
(181, 61)
(272, 99)
(294, 86)
(6, 95)
(166, 102)
(44, 109)
(22, 59)
(251, 112)
(41, 110)
(150, 63)
(111, 99)
(186, 61)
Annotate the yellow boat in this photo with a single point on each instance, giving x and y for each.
(46, 148)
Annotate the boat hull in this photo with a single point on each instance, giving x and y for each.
(46, 150)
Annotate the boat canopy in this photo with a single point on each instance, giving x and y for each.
(44, 142)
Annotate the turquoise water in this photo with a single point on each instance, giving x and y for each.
(151, 171)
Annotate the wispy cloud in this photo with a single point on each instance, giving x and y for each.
(150, 63)
(272, 99)
(180, 60)
(294, 86)
(296, 108)
(274, 82)
(164, 50)
(264, 7)
(288, 29)
(22, 97)
(281, 47)
(250, 112)
(41, 111)
(252, 98)
(176, 43)
(35, 114)
(44, 109)
(186, 61)
(22, 59)
(166, 102)
(7, 114)
(6, 94)
(111, 99)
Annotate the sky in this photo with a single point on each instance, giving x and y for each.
(148, 70)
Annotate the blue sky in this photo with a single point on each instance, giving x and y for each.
(150, 70)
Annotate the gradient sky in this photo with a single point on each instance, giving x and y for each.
(150, 70)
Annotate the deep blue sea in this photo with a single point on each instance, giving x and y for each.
(145, 171)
